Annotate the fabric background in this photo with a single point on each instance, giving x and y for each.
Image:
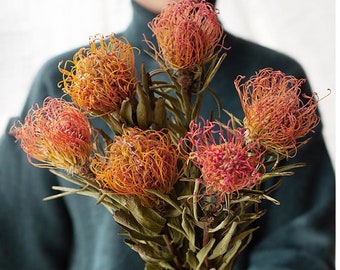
(33, 31)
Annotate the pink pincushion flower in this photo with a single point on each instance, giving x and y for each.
(226, 162)
(102, 76)
(57, 134)
(187, 33)
(136, 161)
(275, 114)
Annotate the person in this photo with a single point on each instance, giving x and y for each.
(75, 233)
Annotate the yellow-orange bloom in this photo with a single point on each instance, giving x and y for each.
(102, 76)
(57, 134)
(276, 114)
(138, 160)
(187, 33)
(227, 163)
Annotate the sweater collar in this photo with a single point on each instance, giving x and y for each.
(139, 26)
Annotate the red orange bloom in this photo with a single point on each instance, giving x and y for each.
(274, 111)
(57, 134)
(138, 160)
(226, 162)
(187, 33)
(102, 75)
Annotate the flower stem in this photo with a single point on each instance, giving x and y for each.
(172, 251)
(206, 238)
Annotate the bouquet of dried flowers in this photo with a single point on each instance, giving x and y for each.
(184, 189)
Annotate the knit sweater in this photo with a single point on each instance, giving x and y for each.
(76, 234)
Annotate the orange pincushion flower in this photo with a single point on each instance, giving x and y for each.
(226, 162)
(138, 160)
(187, 33)
(275, 114)
(102, 76)
(57, 134)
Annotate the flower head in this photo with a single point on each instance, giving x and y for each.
(57, 134)
(187, 33)
(102, 76)
(138, 160)
(226, 162)
(275, 113)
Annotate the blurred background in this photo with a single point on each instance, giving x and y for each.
(33, 31)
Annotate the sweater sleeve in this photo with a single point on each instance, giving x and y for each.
(300, 232)
(33, 234)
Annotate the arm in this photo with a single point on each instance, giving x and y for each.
(33, 234)
(300, 233)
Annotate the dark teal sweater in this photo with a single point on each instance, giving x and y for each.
(75, 233)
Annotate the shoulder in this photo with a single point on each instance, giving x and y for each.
(249, 57)
(49, 70)
(45, 82)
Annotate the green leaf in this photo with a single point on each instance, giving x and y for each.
(155, 266)
(127, 221)
(177, 235)
(220, 226)
(145, 216)
(204, 252)
(241, 236)
(151, 266)
(230, 256)
(223, 245)
(166, 199)
(165, 265)
(138, 236)
(173, 225)
(135, 230)
(188, 229)
(213, 68)
(191, 259)
(269, 198)
(148, 253)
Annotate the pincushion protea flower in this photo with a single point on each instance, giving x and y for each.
(136, 161)
(275, 113)
(187, 33)
(102, 75)
(57, 134)
(226, 162)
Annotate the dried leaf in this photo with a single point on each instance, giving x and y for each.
(204, 252)
(149, 254)
(145, 216)
(223, 245)
(188, 229)
(229, 256)
(191, 259)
